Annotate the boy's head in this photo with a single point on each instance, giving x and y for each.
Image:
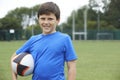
(49, 7)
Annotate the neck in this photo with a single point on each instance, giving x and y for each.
(49, 33)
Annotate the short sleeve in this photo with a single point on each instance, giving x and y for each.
(69, 50)
(25, 47)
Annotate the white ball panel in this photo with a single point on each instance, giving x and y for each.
(27, 60)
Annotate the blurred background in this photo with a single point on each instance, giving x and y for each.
(94, 27)
(82, 20)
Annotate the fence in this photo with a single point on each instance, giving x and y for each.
(91, 35)
(103, 35)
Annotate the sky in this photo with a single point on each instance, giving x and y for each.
(66, 6)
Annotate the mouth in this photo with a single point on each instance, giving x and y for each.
(46, 27)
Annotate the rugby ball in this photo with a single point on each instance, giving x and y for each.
(23, 64)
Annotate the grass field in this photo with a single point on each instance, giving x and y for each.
(97, 60)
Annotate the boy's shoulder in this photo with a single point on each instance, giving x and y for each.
(35, 37)
(63, 34)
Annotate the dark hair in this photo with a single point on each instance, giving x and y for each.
(49, 7)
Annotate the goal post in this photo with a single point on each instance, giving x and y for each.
(84, 33)
(104, 36)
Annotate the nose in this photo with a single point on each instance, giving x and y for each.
(46, 21)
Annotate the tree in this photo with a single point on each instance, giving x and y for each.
(15, 18)
(10, 23)
(99, 5)
(112, 16)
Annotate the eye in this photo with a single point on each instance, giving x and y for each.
(50, 19)
(42, 18)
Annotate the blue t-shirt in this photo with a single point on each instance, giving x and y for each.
(50, 53)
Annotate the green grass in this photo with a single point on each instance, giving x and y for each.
(97, 60)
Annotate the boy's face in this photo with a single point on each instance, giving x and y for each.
(48, 23)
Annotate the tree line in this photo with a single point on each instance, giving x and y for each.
(20, 18)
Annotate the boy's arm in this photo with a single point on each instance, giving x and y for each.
(14, 76)
(71, 65)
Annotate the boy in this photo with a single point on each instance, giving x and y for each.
(51, 48)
